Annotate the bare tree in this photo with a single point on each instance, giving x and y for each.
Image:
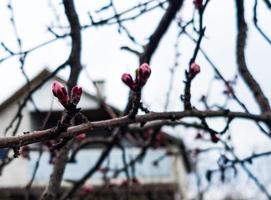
(61, 141)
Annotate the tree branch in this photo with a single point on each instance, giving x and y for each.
(52, 190)
(43, 135)
(149, 49)
(241, 59)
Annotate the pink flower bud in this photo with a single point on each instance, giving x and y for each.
(76, 94)
(147, 134)
(198, 136)
(142, 74)
(60, 92)
(124, 183)
(24, 151)
(81, 137)
(135, 181)
(128, 80)
(194, 70)
(160, 140)
(144, 71)
(198, 4)
(214, 138)
(85, 190)
(103, 170)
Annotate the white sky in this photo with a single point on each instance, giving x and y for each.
(104, 60)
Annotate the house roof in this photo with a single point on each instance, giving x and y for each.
(35, 81)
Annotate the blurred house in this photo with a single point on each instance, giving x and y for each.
(163, 166)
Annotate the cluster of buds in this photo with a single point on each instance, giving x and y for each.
(142, 75)
(198, 4)
(194, 69)
(61, 93)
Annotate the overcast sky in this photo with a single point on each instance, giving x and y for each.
(104, 60)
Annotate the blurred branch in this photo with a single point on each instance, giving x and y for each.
(241, 59)
(92, 170)
(99, 96)
(243, 165)
(255, 21)
(226, 83)
(87, 143)
(267, 3)
(188, 81)
(142, 7)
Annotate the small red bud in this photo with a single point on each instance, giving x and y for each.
(198, 4)
(214, 138)
(128, 80)
(103, 170)
(76, 94)
(24, 152)
(144, 71)
(124, 183)
(142, 74)
(160, 140)
(60, 92)
(198, 136)
(193, 70)
(135, 181)
(147, 134)
(85, 190)
(81, 137)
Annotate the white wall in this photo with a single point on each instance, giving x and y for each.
(16, 173)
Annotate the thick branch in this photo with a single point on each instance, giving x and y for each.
(75, 55)
(43, 135)
(174, 6)
(267, 3)
(241, 60)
